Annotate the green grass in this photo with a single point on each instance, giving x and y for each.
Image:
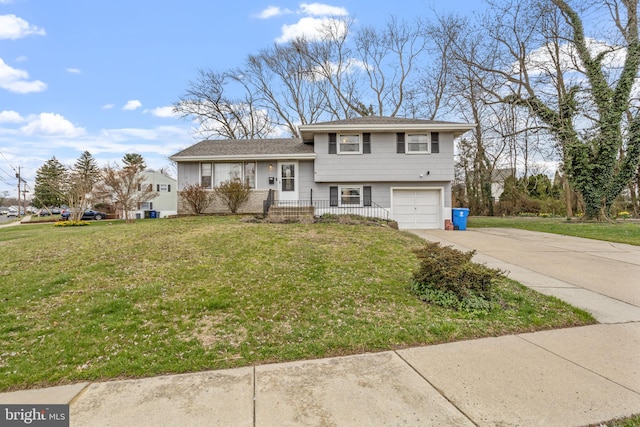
(116, 300)
(621, 231)
(632, 421)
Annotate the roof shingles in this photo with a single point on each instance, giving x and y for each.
(246, 147)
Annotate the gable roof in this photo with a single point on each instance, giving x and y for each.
(246, 149)
(383, 124)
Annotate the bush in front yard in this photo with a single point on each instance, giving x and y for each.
(447, 277)
(234, 193)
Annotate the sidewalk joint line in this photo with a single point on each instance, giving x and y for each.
(254, 395)
(435, 388)
(578, 365)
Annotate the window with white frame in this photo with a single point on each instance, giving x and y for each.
(250, 174)
(221, 172)
(164, 188)
(417, 143)
(226, 172)
(349, 144)
(205, 175)
(350, 196)
(145, 206)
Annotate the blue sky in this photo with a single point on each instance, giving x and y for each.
(101, 76)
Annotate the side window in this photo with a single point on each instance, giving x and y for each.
(205, 175)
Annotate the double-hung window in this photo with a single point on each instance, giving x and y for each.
(350, 196)
(349, 144)
(205, 174)
(417, 143)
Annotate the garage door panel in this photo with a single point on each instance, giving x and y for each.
(417, 208)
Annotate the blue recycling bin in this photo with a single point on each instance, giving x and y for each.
(460, 218)
(152, 214)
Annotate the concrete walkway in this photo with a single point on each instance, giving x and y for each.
(567, 377)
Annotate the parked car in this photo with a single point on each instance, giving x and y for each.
(44, 212)
(13, 211)
(87, 215)
(4, 211)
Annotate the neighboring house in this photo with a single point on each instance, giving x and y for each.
(498, 176)
(166, 202)
(373, 166)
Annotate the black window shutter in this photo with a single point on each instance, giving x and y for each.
(435, 142)
(366, 143)
(158, 187)
(139, 187)
(168, 188)
(366, 196)
(332, 143)
(150, 205)
(333, 196)
(400, 144)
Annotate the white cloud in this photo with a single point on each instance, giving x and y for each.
(49, 124)
(74, 70)
(320, 9)
(107, 106)
(13, 27)
(162, 112)
(10, 117)
(16, 80)
(311, 28)
(272, 11)
(132, 105)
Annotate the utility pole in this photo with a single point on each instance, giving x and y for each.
(24, 195)
(19, 179)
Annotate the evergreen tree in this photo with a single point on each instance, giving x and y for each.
(134, 160)
(48, 189)
(86, 170)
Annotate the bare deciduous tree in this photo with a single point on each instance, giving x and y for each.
(125, 187)
(220, 115)
(574, 85)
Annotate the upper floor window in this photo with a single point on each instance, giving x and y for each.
(164, 188)
(417, 143)
(349, 143)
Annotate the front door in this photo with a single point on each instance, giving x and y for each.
(288, 181)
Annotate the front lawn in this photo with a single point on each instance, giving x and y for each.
(115, 300)
(621, 231)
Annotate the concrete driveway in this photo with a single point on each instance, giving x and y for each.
(600, 277)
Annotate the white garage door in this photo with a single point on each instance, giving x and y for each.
(416, 209)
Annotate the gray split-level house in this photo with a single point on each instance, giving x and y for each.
(386, 167)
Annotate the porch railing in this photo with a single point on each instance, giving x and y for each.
(298, 208)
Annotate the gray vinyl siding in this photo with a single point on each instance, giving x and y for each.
(305, 180)
(384, 164)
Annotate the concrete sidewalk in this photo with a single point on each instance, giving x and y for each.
(568, 377)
